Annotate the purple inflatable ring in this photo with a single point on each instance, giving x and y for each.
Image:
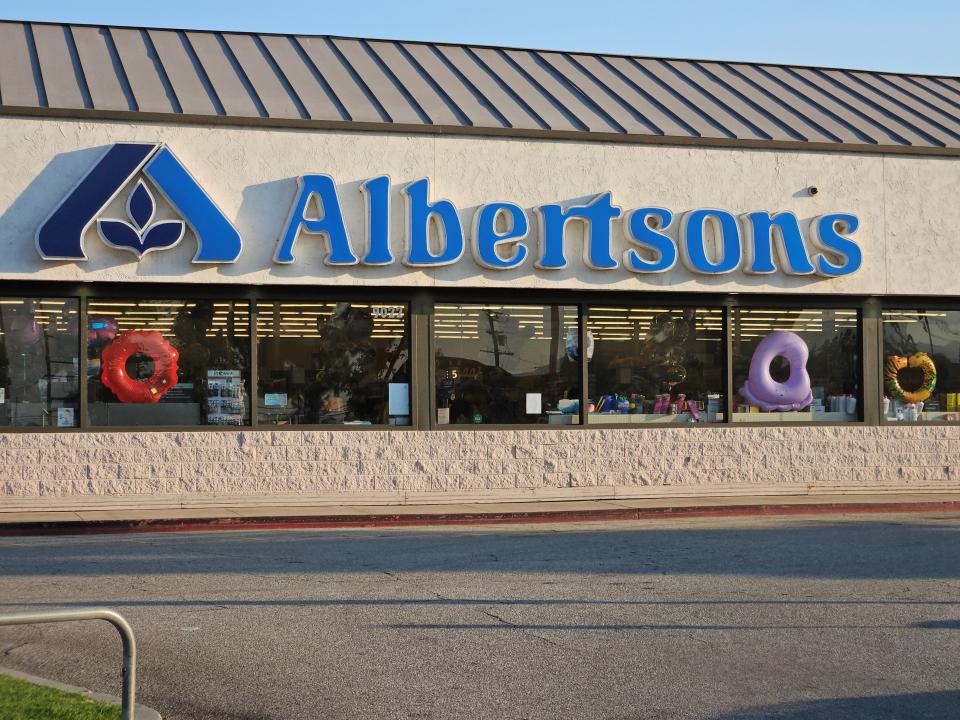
(762, 390)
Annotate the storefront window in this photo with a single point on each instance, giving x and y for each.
(921, 369)
(655, 365)
(333, 363)
(796, 365)
(39, 362)
(503, 364)
(168, 362)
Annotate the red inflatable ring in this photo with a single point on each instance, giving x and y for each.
(114, 359)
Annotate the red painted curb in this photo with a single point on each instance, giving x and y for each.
(80, 527)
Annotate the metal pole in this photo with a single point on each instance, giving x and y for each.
(126, 638)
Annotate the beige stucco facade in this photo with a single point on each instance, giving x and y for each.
(908, 220)
(906, 204)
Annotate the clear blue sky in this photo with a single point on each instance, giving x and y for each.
(896, 35)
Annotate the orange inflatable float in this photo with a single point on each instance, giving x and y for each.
(114, 360)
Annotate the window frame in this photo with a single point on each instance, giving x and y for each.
(862, 409)
(55, 291)
(495, 297)
(255, 368)
(167, 293)
(421, 301)
(867, 402)
(635, 302)
(909, 302)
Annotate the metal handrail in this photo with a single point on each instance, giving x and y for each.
(129, 682)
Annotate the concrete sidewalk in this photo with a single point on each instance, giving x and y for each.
(233, 515)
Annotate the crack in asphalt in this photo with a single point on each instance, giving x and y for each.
(8, 651)
(522, 629)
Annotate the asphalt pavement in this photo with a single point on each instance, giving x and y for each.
(836, 617)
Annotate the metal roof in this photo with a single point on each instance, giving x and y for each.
(337, 82)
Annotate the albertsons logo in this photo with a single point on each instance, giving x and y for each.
(140, 170)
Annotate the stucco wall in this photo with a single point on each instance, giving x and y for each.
(908, 214)
(906, 204)
(344, 463)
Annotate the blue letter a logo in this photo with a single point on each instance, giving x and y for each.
(60, 237)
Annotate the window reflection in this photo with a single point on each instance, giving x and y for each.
(168, 362)
(921, 371)
(796, 364)
(333, 363)
(655, 364)
(502, 364)
(39, 362)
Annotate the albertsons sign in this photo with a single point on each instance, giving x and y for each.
(500, 236)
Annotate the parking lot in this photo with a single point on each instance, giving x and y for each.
(831, 616)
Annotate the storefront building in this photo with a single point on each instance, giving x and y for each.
(255, 264)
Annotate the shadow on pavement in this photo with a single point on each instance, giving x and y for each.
(940, 625)
(914, 706)
(619, 627)
(848, 550)
(539, 602)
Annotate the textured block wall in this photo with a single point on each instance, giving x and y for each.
(355, 462)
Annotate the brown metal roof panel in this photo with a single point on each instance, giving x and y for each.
(757, 91)
(273, 90)
(229, 88)
(908, 105)
(103, 78)
(300, 73)
(393, 101)
(714, 111)
(661, 120)
(800, 104)
(437, 108)
(469, 101)
(854, 126)
(144, 72)
(60, 78)
(383, 82)
(19, 87)
(500, 100)
(350, 94)
(913, 92)
(611, 104)
(944, 96)
(881, 104)
(860, 113)
(763, 123)
(635, 74)
(565, 91)
(526, 93)
(182, 72)
(951, 83)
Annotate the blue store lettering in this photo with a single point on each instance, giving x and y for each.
(708, 241)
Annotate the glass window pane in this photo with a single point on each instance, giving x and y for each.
(39, 362)
(333, 363)
(168, 362)
(655, 364)
(796, 365)
(504, 364)
(921, 370)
